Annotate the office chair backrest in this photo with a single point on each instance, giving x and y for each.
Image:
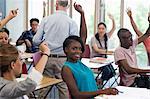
(86, 53)
(36, 57)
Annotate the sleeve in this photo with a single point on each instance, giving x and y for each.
(73, 29)
(118, 55)
(22, 37)
(93, 41)
(38, 37)
(147, 44)
(135, 43)
(35, 75)
(17, 89)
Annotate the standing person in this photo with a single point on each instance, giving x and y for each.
(10, 68)
(99, 41)
(12, 14)
(78, 77)
(27, 37)
(139, 33)
(125, 57)
(56, 28)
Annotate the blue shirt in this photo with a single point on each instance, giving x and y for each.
(29, 35)
(83, 76)
(56, 28)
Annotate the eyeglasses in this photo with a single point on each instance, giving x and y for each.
(128, 38)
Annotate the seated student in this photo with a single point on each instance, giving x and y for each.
(12, 14)
(99, 41)
(28, 35)
(125, 57)
(139, 33)
(4, 36)
(78, 77)
(4, 39)
(10, 68)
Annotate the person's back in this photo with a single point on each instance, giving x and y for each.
(57, 27)
(53, 30)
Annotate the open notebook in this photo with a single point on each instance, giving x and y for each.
(100, 60)
(128, 93)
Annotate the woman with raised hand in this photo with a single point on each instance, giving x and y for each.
(10, 69)
(99, 41)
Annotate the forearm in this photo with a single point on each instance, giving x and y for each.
(19, 42)
(137, 31)
(85, 95)
(137, 71)
(83, 28)
(4, 21)
(41, 64)
(113, 28)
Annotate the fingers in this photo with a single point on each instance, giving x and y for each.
(129, 12)
(149, 17)
(114, 91)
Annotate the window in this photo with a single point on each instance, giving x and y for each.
(89, 9)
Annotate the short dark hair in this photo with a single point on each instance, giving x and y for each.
(121, 31)
(34, 19)
(102, 23)
(5, 30)
(72, 38)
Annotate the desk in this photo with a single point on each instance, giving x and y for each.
(93, 65)
(45, 82)
(26, 55)
(145, 67)
(98, 66)
(128, 93)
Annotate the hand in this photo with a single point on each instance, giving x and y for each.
(110, 16)
(129, 12)
(149, 17)
(110, 52)
(111, 91)
(27, 42)
(44, 48)
(13, 13)
(78, 8)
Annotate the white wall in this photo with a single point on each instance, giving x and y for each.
(17, 25)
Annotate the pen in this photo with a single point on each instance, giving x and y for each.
(120, 91)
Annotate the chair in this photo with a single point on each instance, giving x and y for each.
(107, 72)
(86, 53)
(36, 57)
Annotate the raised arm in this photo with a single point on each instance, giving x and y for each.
(83, 27)
(113, 25)
(12, 14)
(137, 31)
(42, 62)
(147, 34)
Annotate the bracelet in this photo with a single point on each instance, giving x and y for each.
(45, 54)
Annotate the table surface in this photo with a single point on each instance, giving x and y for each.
(128, 93)
(45, 82)
(94, 65)
(26, 55)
